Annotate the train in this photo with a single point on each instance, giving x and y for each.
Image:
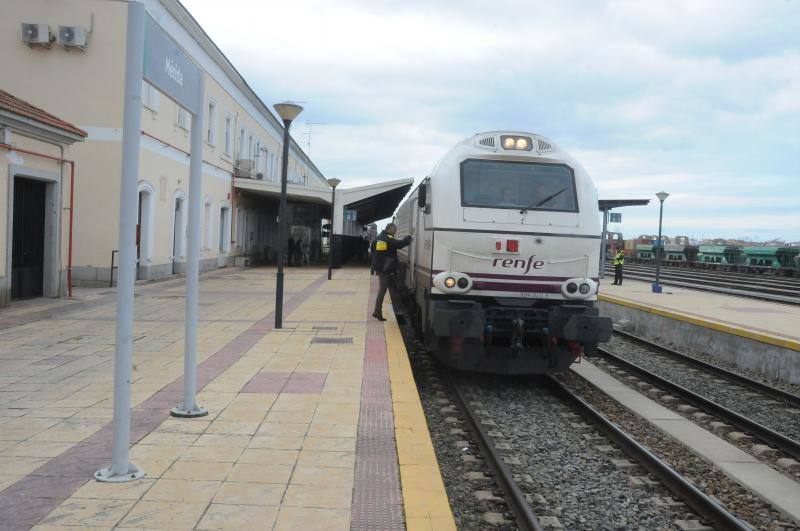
(782, 261)
(501, 274)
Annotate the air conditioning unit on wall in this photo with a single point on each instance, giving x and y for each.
(72, 37)
(36, 34)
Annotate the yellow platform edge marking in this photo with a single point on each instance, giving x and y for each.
(728, 329)
(425, 499)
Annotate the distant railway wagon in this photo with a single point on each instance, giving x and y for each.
(776, 260)
(674, 254)
(719, 256)
(644, 252)
(679, 253)
(765, 259)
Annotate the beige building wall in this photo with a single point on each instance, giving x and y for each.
(86, 88)
(13, 164)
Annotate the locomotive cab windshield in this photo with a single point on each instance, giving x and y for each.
(518, 185)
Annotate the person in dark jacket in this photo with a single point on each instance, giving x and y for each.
(290, 251)
(384, 262)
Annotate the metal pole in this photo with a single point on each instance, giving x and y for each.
(282, 227)
(659, 249)
(189, 407)
(602, 272)
(121, 469)
(333, 215)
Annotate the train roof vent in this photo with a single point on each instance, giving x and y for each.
(487, 141)
(544, 145)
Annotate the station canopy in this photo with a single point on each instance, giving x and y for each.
(610, 204)
(372, 202)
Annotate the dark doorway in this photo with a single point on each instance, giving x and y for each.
(27, 245)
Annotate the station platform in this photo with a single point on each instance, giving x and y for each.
(750, 318)
(751, 334)
(317, 425)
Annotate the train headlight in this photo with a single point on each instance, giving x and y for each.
(452, 282)
(572, 287)
(518, 143)
(578, 288)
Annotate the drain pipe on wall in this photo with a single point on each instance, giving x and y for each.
(61, 160)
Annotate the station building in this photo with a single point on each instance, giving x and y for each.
(68, 58)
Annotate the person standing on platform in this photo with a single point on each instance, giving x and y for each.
(619, 261)
(299, 252)
(290, 252)
(384, 262)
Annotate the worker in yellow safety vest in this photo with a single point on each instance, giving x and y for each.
(619, 260)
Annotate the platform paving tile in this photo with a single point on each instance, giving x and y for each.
(278, 449)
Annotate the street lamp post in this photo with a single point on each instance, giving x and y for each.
(660, 251)
(334, 183)
(288, 111)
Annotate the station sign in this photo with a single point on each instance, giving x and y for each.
(615, 217)
(168, 68)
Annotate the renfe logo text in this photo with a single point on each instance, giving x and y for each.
(173, 70)
(512, 263)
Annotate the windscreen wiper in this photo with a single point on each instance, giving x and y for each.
(543, 201)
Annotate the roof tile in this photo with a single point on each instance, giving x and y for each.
(13, 104)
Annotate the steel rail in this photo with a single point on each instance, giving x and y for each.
(781, 299)
(704, 505)
(768, 278)
(761, 286)
(768, 435)
(526, 520)
(773, 392)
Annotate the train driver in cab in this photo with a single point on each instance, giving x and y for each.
(384, 262)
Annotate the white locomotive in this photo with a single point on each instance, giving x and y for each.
(502, 273)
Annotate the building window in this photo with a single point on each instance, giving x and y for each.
(250, 153)
(241, 143)
(258, 156)
(211, 132)
(149, 96)
(228, 134)
(182, 118)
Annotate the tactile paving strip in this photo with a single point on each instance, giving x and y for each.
(377, 497)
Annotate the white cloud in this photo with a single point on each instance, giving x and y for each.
(699, 98)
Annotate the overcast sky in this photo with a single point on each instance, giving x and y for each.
(698, 98)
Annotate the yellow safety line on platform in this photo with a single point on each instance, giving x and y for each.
(728, 329)
(424, 496)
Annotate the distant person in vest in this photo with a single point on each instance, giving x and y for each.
(619, 260)
(384, 262)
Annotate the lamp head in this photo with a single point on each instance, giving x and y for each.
(662, 196)
(287, 110)
(334, 182)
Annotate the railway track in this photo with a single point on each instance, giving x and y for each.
(773, 289)
(489, 425)
(747, 407)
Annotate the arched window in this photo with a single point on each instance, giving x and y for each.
(224, 227)
(208, 229)
(145, 223)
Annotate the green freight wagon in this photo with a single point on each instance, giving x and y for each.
(780, 260)
(718, 256)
